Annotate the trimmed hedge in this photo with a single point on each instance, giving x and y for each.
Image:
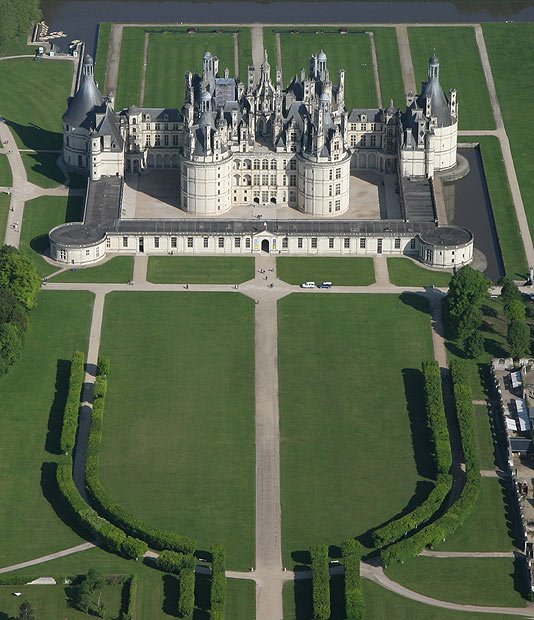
(351, 552)
(130, 597)
(438, 531)
(186, 599)
(218, 582)
(437, 420)
(171, 561)
(320, 582)
(72, 404)
(104, 503)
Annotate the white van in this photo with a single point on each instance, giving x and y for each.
(307, 285)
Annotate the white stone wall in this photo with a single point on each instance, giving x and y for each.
(413, 163)
(76, 147)
(205, 186)
(69, 255)
(445, 257)
(443, 144)
(323, 188)
(103, 162)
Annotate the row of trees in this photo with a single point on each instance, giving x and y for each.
(518, 332)
(16, 17)
(401, 527)
(19, 287)
(116, 514)
(72, 404)
(351, 552)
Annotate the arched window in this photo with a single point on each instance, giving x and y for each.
(273, 164)
(256, 164)
(247, 180)
(247, 165)
(236, 179)
(237, 164)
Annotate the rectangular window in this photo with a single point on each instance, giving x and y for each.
(379, 246)
(329, 190)
(108, 242)
(166, 140)
(265, 179)
(338, 205)
(157, 141)
(87, 252)
(221, 242)
(174, 242)
(363, 243)
(293, 164)
(330, 174)
(237, 242)
(299, 242)
(373, 140)
(293, 180)
(338, 173)
(285, 241)
(125, 242)
(206, 242)
(353, 141)
(156, 242)
(412, 244)
(346, 243)
(247, 242)
(331, 243)
(338, 189)
(273, 179)
(397, 244)
(189, 242)
(157, 127)
(175, 140)
(314, 242)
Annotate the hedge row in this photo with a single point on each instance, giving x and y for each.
(72, 404)
(320, 582)
(218, 582)
(351, 552)
(437, 420)
(154, 537)
(186, 599)
(129, 612)
(172, 562)
(113, 538)
(443, 527)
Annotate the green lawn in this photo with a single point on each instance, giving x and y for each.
(178, 441)
(349, 460)
(460, 68)
(480, 581)
(118, 270)
(486, 528)
(40, 216)
(36, 126)
(200, 269)
(269, 43)
(510, 240)
(389, 67)
(102, 49)
(404, 272)
(245, 55)
(241, 602)
(347, 271)
(351, 52)
(184, 53)
(485, 437)
(131, 69)
(5, 199)
(505, 41)
(51, 602)
(32, 395)
(42, 169)
(6, 178)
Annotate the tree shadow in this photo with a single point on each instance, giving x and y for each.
(35, 137)
(303, 599)
(512, 512)
(4, 616)
(55, 417)
(519, 575)
(202, 596)
(494, 348)
(337, 597)
(417, 301)
(422, 444)
(302, 560)
(171, 593)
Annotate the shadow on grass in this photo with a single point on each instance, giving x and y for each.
(202, 597)
(302, 560)
(55, 417)
(40, 244)
(337, 597)
(35, 137)
(303, 599)
(511, 511)
(520, 575)
(45, 164)
(423, 449)
(171, 593)
(416, 301)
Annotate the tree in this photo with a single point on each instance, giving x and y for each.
(474, 344)
(518, 337)
(12, 311)
(468, 290)
(26, 611)
(515, 310)
(509, 291)
(16, 17)
(18, 274)
(10, 346)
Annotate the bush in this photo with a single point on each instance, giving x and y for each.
(172, 562)
(134, 548)
(320, 582)
(218, 581)
(131, 596)
(136, 528)
(72, 404)
(186, 599)
(351, 552)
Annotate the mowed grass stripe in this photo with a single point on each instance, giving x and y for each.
(118, 270)
(405, 272)
(513, 250)
(183, 53)
(351, 52)
(32, 397)
(460, 68)
(389, 67)
(200, 269)
(178, 441)
(347, 451)
(37, 99)
(245, 54)
(6, 178)
(348, 271)
(102, 49)
(131, 68)
(5, 201)
(514, 82)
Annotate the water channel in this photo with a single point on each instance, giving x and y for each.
(79, 18)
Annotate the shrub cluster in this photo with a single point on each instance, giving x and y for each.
(443, 527)
(72, 404)
(320, 582)
(218, 582)
(437, 420)
(113, 538)
(130, 598)
(153, 537)
(351, 552)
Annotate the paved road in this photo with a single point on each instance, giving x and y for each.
(47, 558)
(257, 51)
(408, 76)
(114, 56)
(375, 69)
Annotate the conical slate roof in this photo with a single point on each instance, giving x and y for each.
(438, 100)
(86, 99)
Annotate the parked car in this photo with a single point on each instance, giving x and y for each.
(325, 285)
(307, 285)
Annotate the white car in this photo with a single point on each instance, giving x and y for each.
(307, 285)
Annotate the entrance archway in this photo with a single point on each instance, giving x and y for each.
(265, 246)
(257, 200)
(273, 201)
